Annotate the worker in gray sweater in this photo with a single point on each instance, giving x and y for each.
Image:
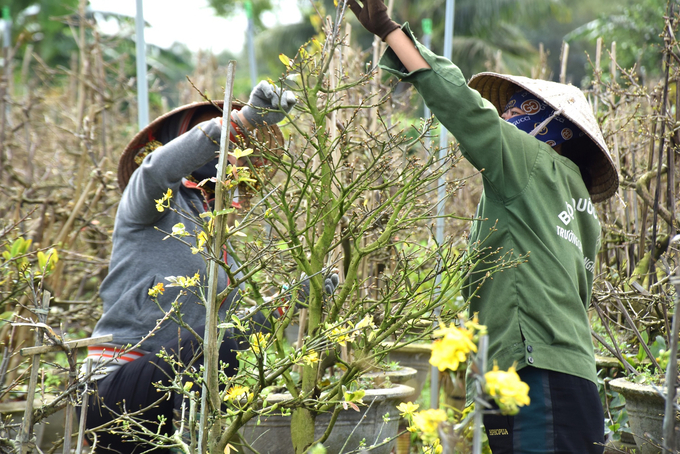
(177, 151)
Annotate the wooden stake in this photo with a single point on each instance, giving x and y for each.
(598, 60)
(210, 397)
(27, 423)
(563, 62)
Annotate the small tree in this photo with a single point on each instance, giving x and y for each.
(354, 192)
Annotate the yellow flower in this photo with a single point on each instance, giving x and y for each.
(507, 389)
(238, 153)
(235, 392)
(188, 385)
(437, 447)
(406, 409)
(310, 358)
(233, 231)
(179, 230)
(342, 335)
(164, 202)
(201, 239)
(453, 348)
(156, 290)
(428, 420)
(211, 220)
(366, 322)
(258, 342)
(474, 326)
(184, 281)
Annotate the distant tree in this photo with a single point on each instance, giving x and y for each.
(488, 34)
(635, 28)
(42, 24)
(230, 8)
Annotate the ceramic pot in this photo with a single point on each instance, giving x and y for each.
(272, 434)
(645, 409)
(416, 356)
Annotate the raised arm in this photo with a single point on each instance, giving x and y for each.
(373, 16)
(406, 50)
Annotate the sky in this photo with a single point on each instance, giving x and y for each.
(171, 21)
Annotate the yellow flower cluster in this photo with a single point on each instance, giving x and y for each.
(349, 332)
(156, 290)
(426, 423)
(509, 391)
(308, 359)
(428, 420)
(453, 347)
(164, 202)
(184, 281)
(258, 342)
(343, 334)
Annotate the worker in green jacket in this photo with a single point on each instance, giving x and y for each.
(544, 165)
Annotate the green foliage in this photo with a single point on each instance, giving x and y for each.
(635, 29)
(42, 24)
(229, 8)
(616, 416)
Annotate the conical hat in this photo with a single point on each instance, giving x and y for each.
(498, 88)
(271, 136)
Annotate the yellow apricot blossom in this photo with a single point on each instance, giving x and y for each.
(453, 347)
(201, 239)
(164, 202)
(310, 358)
(184, 281)
(236, 392)
(179, 230)
(406, 409)
(156, 290)
(509, 391)
(239, 153)
(258, 342)
(428, 420)
(343, 334)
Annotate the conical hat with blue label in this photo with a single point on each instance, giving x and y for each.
(498, 88)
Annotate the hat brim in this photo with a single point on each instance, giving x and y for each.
(269, 138)
(498, 88)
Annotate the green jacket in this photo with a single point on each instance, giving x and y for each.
(534, 203)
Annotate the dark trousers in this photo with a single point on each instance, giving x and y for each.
(565, 416)
(131, 388)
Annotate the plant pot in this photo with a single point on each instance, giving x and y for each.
(403, 376)
(645, 409)
(272, 434)
(416, 356)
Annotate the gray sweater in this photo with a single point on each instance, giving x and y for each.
(141, 258)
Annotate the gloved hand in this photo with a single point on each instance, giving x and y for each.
(373, 16)
(267, 104)
(329, 285)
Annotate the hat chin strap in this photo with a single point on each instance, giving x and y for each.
(545, 122)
